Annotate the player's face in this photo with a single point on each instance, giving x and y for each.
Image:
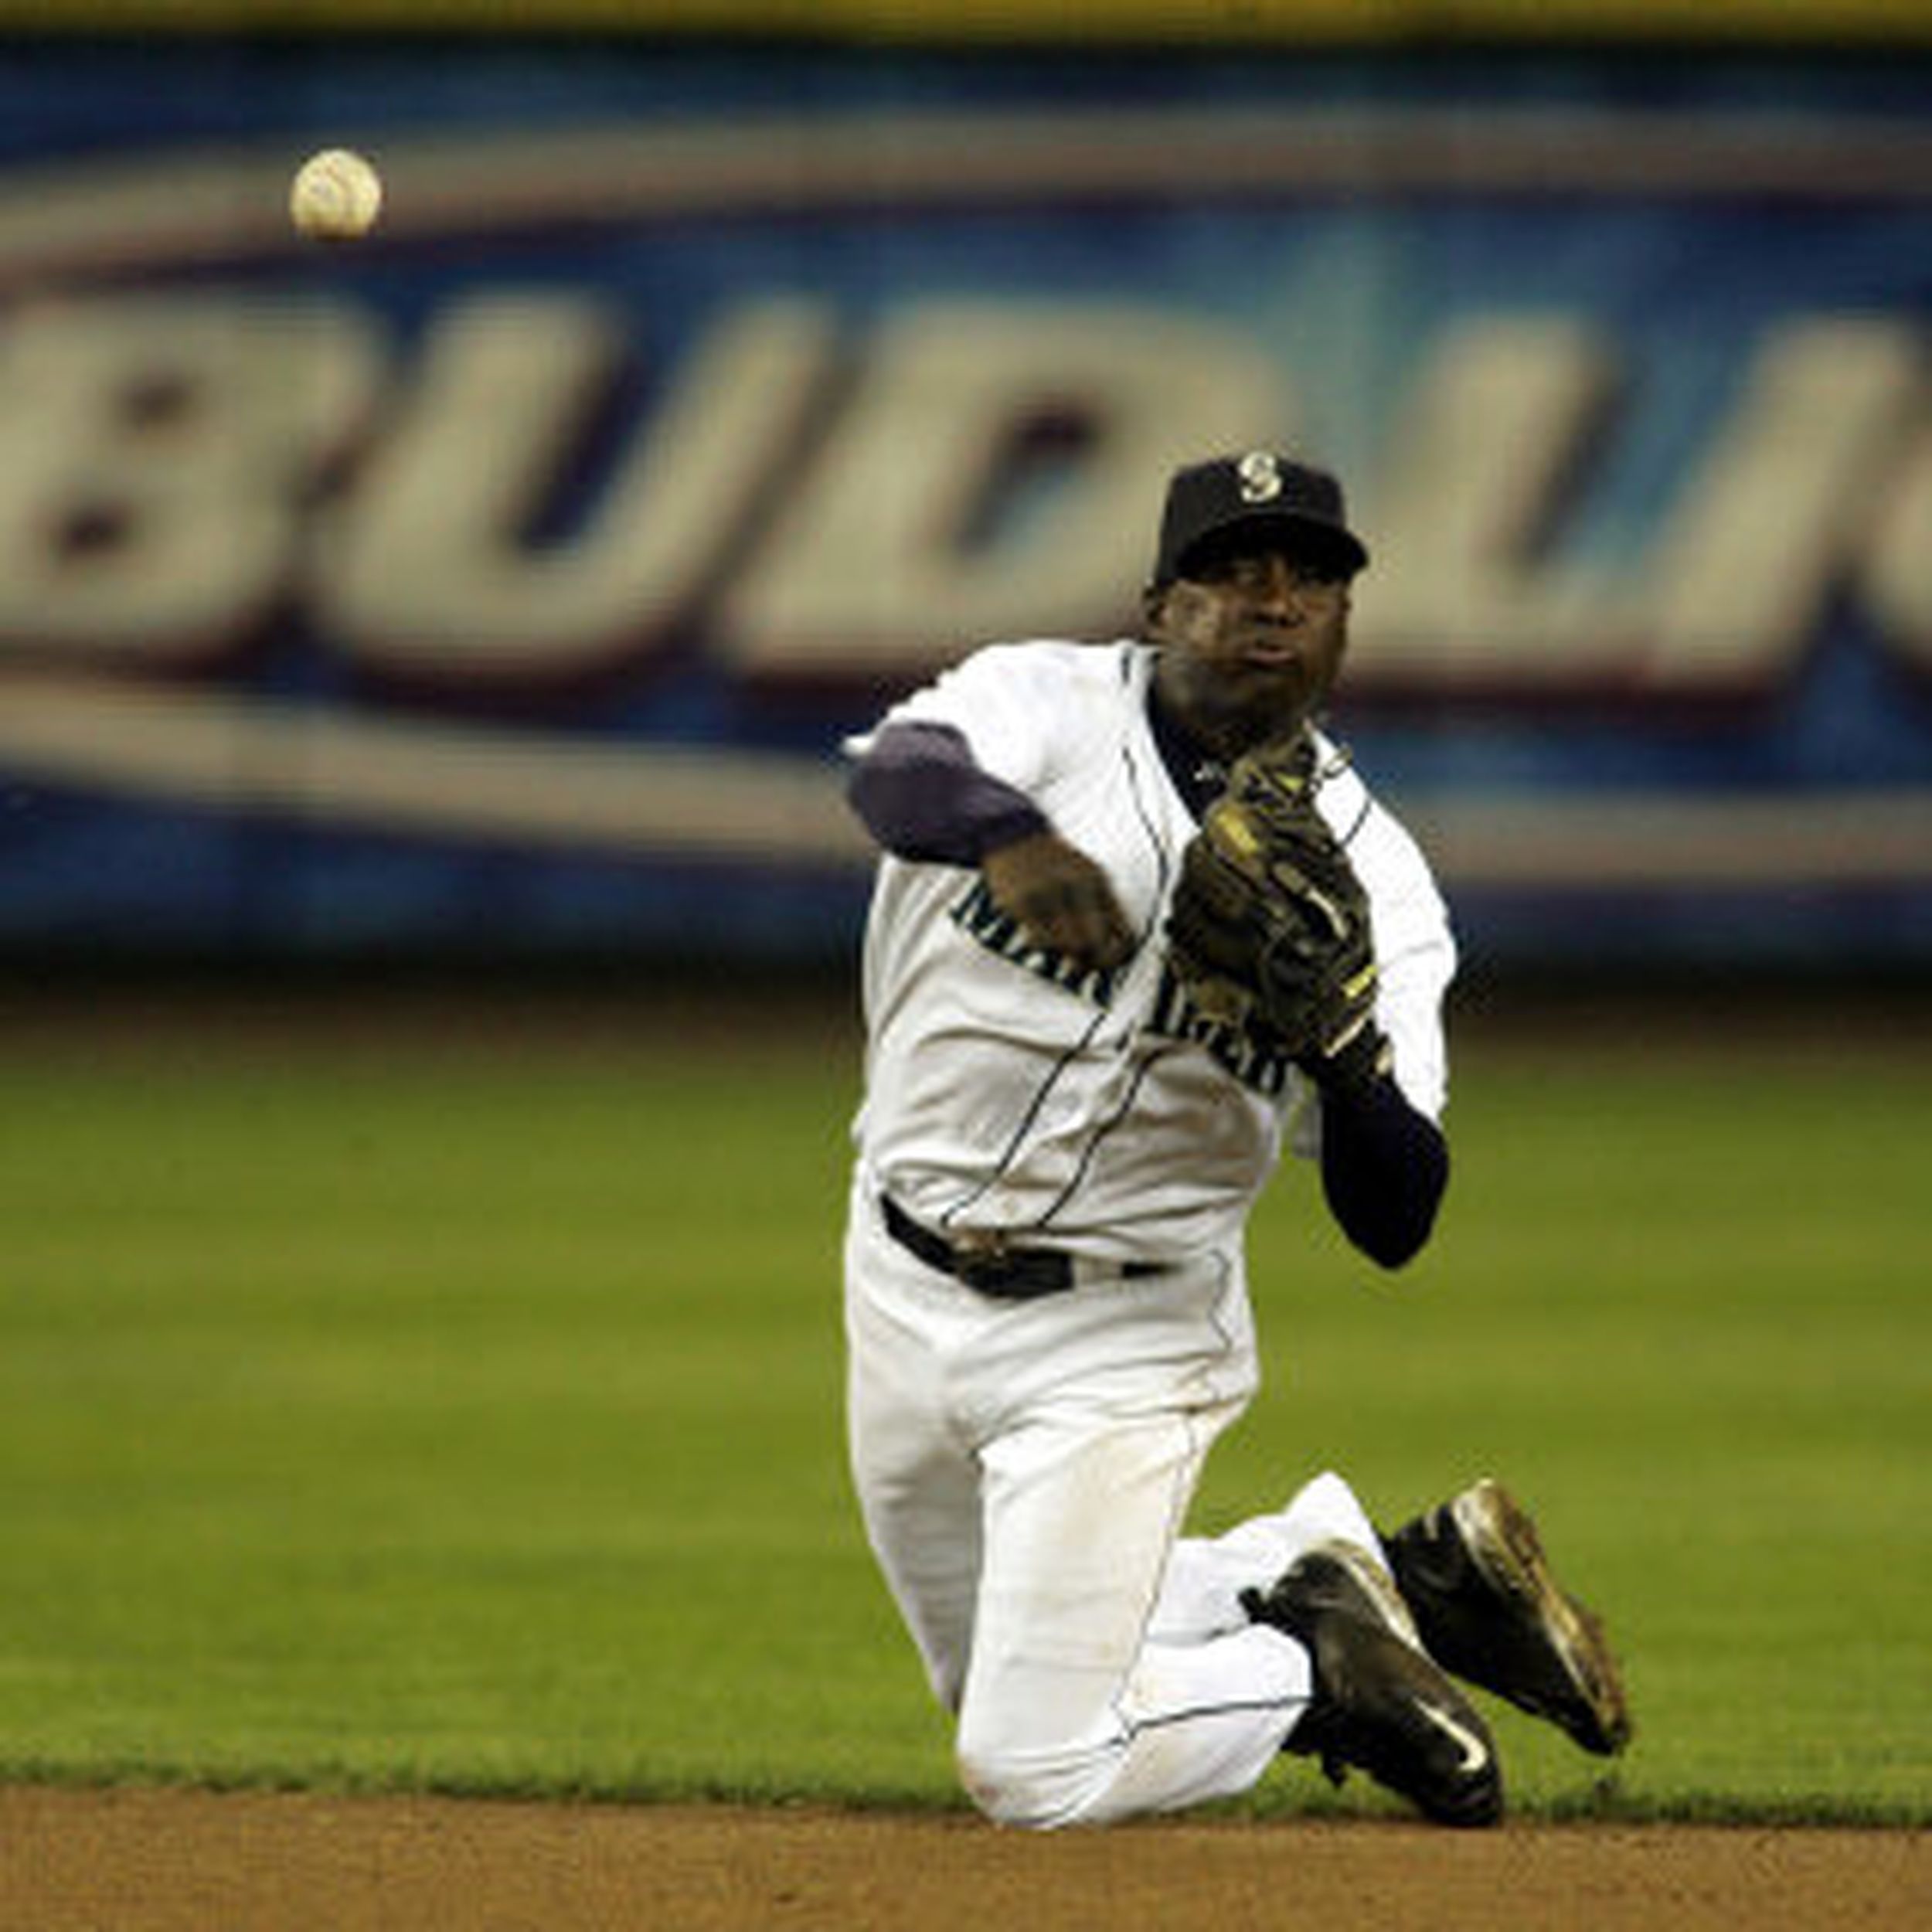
(1253, 640)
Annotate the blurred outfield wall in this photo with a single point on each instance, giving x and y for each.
(505, 584)
(1287, 22)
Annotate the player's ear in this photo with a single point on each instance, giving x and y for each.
(1154, 606)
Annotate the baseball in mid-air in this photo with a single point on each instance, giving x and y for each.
(336, 195)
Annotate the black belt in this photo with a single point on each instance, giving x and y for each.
(1008, 1274)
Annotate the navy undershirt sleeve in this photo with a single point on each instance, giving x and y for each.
(921, 795)
(1384, 1169)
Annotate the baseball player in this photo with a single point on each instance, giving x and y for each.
(1137, 926)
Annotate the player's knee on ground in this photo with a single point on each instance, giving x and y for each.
(1038, 1790)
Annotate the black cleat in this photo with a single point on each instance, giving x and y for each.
(1379, 1704)
(1474, 1574)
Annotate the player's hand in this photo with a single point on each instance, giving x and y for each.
(1060, 897)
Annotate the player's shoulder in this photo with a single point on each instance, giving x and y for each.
(1041, 688)
(1063, 661)
(1367, 828)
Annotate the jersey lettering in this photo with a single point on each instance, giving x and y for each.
(976, 915)
(1253, 1060)
(1251, 1056)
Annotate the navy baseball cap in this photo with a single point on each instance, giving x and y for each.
(1231, 495)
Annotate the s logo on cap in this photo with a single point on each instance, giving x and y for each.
(1260, 477)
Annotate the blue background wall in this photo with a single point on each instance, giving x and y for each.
(507, 583)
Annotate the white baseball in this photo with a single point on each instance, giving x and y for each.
(336, 195)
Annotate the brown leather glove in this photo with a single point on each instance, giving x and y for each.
(1269, 923)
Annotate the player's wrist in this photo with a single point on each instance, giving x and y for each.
(1008, 823)
(1360, 1065)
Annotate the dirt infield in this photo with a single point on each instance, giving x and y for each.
(168, 1861)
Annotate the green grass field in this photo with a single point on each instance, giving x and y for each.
(456, 1405)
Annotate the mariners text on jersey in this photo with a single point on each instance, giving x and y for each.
(1247, 1053)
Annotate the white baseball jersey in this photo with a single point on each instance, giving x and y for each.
(1099, 1112)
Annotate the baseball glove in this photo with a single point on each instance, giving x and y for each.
(1269, 926)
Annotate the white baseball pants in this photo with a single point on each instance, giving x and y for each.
(1024, 1469)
